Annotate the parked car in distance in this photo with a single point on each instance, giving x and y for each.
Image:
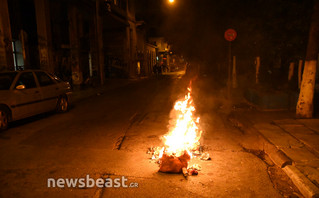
(31, 92)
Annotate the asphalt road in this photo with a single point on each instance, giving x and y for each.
(81, 142)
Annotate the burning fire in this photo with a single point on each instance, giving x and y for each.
(184, 135)
(182, 140)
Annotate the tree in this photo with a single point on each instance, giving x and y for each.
(305, 102)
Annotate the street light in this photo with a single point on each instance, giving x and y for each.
(171, 1)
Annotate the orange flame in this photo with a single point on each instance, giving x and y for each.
(185, 135)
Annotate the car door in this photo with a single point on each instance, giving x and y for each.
(27, 96)
(48, 89)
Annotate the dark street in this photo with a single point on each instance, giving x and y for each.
(159, 98)
(81, 141)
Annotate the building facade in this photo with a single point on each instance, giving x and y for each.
(82, 41)
(146, 52)
(163, 50)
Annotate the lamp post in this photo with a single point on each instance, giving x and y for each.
(99, 32)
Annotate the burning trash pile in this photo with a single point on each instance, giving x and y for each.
(182, 142)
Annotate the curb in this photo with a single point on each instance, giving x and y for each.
(305, 186)
(279, 158)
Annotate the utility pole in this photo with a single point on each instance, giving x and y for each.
(291, 71)
(99, 42)
(257, 69)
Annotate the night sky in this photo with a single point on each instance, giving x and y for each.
(272, 29)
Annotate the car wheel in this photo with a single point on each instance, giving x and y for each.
(3, 119)
(63, 105)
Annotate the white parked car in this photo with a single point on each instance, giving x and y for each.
(30, 92)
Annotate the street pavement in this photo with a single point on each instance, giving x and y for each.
(136, 113)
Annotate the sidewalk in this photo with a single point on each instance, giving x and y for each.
(292, 144)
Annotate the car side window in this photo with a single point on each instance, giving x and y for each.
(27, 79)
(44, 79)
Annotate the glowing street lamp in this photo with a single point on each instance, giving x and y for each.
(171, 1)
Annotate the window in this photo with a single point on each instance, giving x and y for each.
(17, 55)
(27, 79)
(44, 79)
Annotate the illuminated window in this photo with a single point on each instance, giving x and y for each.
(17, 55)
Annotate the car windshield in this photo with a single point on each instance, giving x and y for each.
(6, 80)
